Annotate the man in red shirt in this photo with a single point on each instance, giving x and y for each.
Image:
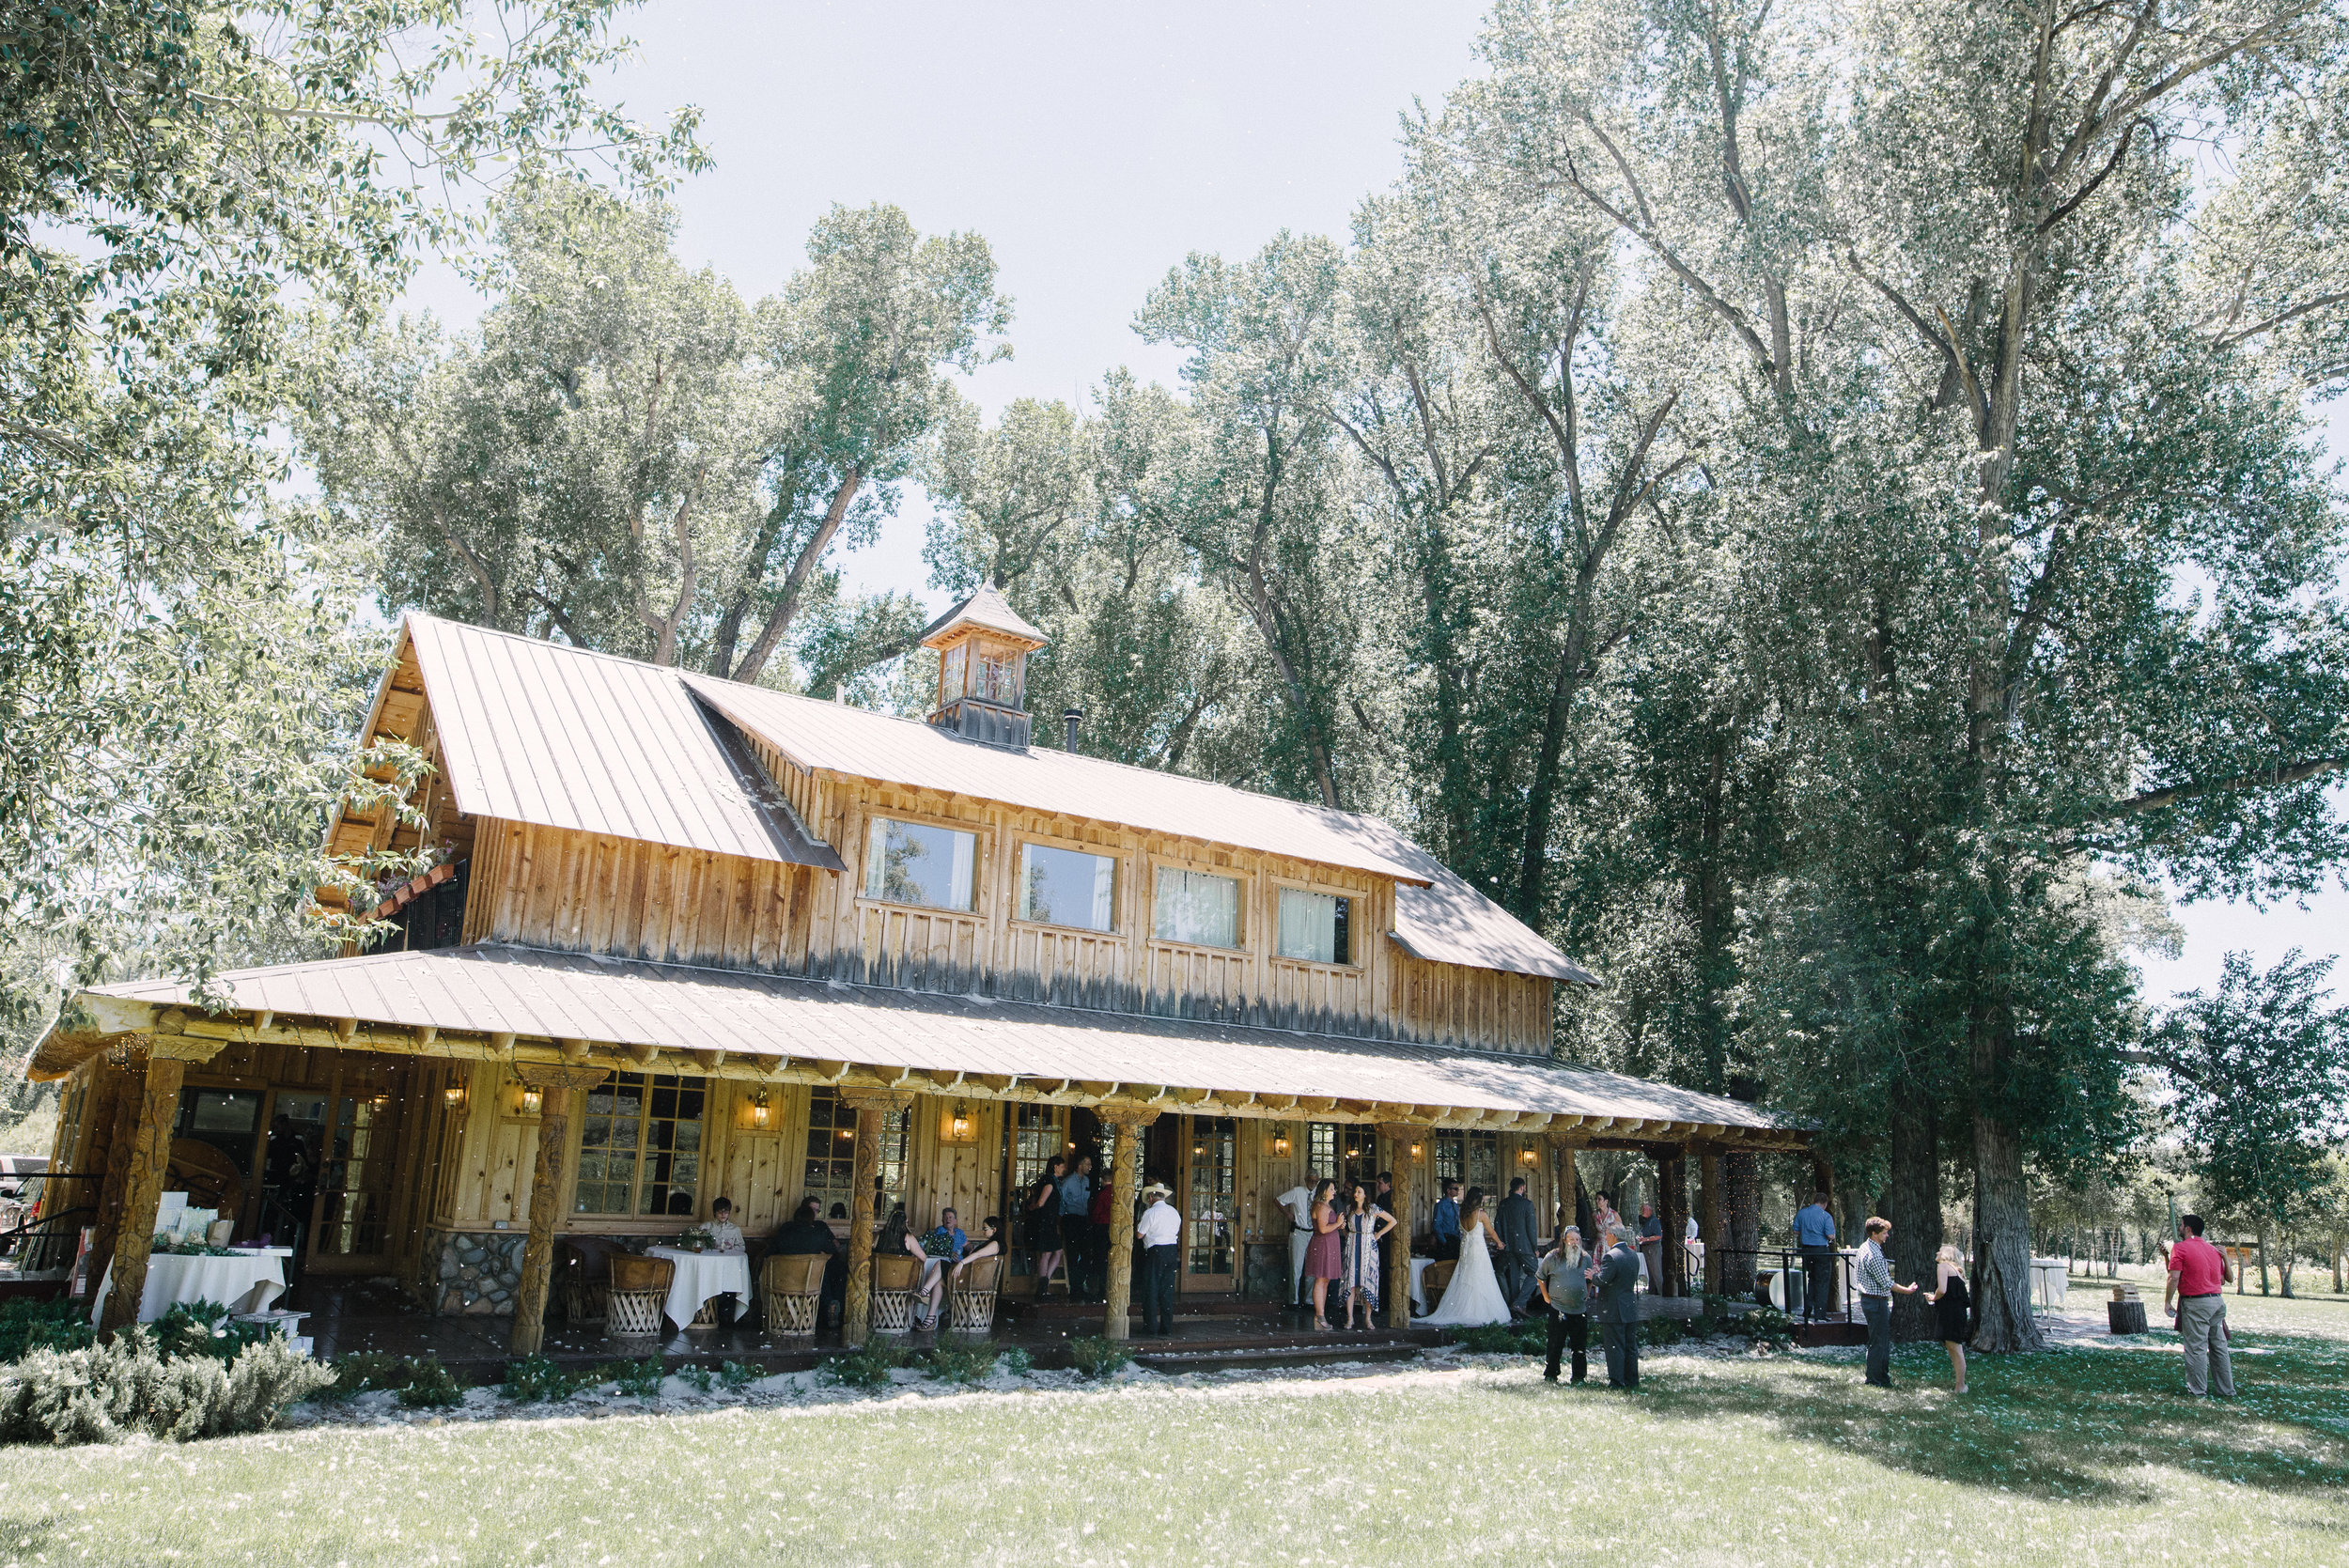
(2197, 1272)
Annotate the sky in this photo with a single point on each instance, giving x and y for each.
(1095, 146)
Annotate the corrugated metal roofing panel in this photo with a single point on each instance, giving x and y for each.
(531, 991)
(562, 737)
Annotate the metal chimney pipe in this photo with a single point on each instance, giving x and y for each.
(1071, 718)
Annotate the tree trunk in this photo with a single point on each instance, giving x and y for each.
(1913, 1205)
(2263, 1290)
(2001, 1240)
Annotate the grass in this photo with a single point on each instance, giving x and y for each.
(2084, 1452)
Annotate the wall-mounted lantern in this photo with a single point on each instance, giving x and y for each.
(957, 1126)
(453, 1095)
(760, 1111)
(531, 1099)
(1280, 1138)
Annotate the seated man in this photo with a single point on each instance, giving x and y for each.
(940, 1249)
(805, 1233)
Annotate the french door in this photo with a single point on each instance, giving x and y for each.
(1210, 1158)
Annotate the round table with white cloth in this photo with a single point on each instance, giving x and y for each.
(247, 1281)
(700, 1276)
(2051, 1281)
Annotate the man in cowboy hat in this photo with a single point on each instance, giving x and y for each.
(1158, 1233)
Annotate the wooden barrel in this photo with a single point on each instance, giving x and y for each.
(633, 1273)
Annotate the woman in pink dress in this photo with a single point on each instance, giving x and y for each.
(1325, 1257)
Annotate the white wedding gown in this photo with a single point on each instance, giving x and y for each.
(1473, 1297)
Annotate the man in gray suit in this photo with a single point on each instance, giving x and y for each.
(1619, 1311)
(1514, 1222)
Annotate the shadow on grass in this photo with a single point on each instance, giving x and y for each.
(2068, 1425)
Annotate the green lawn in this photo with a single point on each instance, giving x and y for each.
(2084, 1454)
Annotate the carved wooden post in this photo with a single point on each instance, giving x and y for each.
(124, 1083)
(870, 1105)
(1711, 1221)
(1562, 1151)
(1403, 1137)
(149, 1158)
(1125, 1124)
(559, 1088)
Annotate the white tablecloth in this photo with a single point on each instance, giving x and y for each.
(2051, 1281)
(1418, 1294)
(699, 1277)
(245, 1283)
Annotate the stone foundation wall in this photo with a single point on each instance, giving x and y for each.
(471, 1271)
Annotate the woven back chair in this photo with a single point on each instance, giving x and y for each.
(893, 1295)
(1432, 1283)
(971, 1305)
(793, 1285)
(585, 1268)
(639, 1287)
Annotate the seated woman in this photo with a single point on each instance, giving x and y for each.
(942, 1246)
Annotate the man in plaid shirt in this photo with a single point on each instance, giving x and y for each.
(1872, 1273)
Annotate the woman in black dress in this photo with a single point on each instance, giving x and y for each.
(1042, 1213)
(1951, 1299)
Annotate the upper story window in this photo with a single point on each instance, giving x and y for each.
(1197, 907)
(1066, 887)
(905, 862)
(1316, 926)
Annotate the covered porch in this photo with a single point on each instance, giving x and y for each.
(484, 1110)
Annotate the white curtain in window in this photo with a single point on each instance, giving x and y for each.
(1198, 907)
(1309, 926)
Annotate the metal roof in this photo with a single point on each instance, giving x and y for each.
(533, 992)
(986, 608)
(562, 737)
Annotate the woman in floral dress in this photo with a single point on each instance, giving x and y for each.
(1365, 1227)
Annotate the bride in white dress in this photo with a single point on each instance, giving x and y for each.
(1473, 1297)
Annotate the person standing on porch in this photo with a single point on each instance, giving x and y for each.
(1324, 1256)
(1515, 1224)
(1366, 1226)
(1564, 1282)
(1076, 1223)
(2197, 1272)
(1041, 1214)
(1619, 1310)
(1446, 1222)
(1652, 1247)
(1814, 1238)
(1872, 1273)
(1299, 1202)
(1158, 1233)
(1099, 1218)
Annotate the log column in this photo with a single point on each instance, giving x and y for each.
(1402, 1137)
(1563, 1146)
(870, 1105)
(149, 1162)
(1712, 1222)
(1125, 1124)
(559, 1089)
(111, 1132)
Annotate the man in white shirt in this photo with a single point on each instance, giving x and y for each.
(723, 1232)
(1158, 1233)
(1298, 1200)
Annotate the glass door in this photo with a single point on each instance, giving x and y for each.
(355, 1178)
(1210, 1153)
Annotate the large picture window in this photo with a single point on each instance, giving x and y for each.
(905, 862)
(1315, 927)
(830, 1176)
(1197, 907)
(640, 1145)
(1066, 887)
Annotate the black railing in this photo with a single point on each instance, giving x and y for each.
(1785, 1266)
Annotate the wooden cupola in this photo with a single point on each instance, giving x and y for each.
(983, 645)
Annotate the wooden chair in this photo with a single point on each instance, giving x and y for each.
(893, 1295)
(793, 1286)
(585, 1268)
(970, 1302)
(640, 1286)
(1432, 1283)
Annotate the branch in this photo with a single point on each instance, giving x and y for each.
(2230, 340)
(2088, 190)
(2266, 778)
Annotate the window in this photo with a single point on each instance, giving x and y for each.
(1197, 907)
(1066, 887)
(1341, 1153)
(640, 1145)
(1314, 927)
(909, 863)
(995, 678)
(950, 672)
(1321, 1150)
(1450, 1158)
(831, 1151)
(1484, 1162)
(831, 1170)
(1034, 1135)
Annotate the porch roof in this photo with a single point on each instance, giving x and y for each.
(535, 993)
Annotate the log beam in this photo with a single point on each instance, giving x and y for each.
(559, 1089)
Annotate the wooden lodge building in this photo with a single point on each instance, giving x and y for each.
(695, 937)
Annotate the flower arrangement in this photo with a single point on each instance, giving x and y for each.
(940, 1242)
(697, 1240)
